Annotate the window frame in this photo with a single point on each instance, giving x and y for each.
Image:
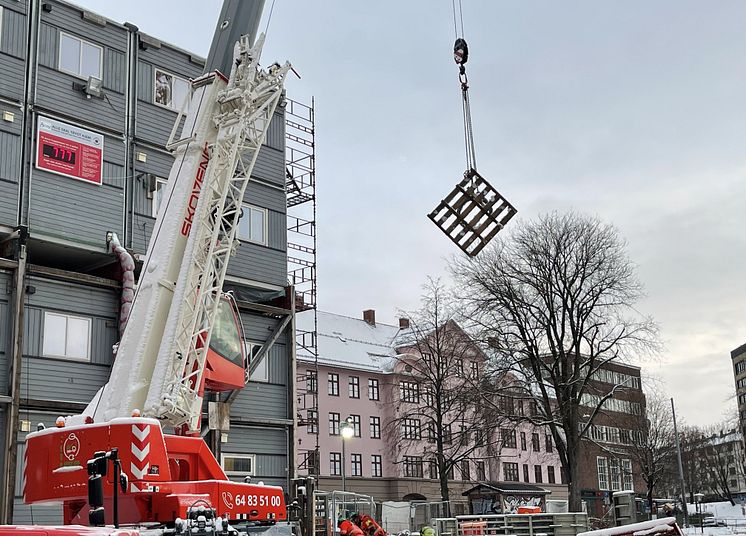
(252, 457)
(356, 423)
(334, 419)
(265, 219)
(411, 428)
(535, 442)
(67, 316)
(465, 470)
(80, 56)
(153, 208)
(356, 464)
(376, 465)
(375, 427)
(481, 470)
(413, 467)
(249, 348)
(335, 463)
(176, 106)
(409, 392)
(538, 474)
(312, 421)
(602, 471)
(332, 387)
(373, 389)
(353, 387)
(509, 468)
(551, 477)
(312, 381)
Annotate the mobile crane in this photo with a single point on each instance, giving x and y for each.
(113, 464)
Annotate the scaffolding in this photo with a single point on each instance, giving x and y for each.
(300, 184)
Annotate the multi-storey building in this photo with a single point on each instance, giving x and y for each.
(363, 375)
(738, 359)
(608, 465)
(86, 108)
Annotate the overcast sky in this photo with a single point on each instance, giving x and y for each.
(634, 111)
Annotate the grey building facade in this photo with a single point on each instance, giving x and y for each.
(66, 292)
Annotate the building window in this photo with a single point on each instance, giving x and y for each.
(409, 392)
(481, 473)
(432, 469)
(474, 370)
(525, 472)
(312, 421)
(373, 393)
(450, 472)
(353, 389)
(312, 381)
(740, 367)
(375, 428)
(430, 431)
(238, 464)
(159, 186)
(356, 460)
(548, 443)
(261, 372)
(80, 58)
(603, 482)
(334, 424)
(537, 474)
(376, 465)
(66, 336)
(335, 463)
(550, 474)
(508, 438)
(413, 466)
(510, 472)
(169, 90)
(333, 387)
(627, 474)
(460, 368)
(411, 429)
(465, 470)
(252, 225)
(615, 476)
(523, 440)
(535, 443)
(354, 420)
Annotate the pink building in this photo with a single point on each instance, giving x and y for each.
(361, 376)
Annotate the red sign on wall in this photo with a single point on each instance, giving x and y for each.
(69, 150)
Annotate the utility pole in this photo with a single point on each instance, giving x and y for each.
(681, 466)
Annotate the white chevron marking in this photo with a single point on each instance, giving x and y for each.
(138, 474)
(140, 434)
(140, 454)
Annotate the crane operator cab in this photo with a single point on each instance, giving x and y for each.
(227, 364)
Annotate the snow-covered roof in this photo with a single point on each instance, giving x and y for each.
(349, 342)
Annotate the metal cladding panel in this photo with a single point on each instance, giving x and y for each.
(265, 196)
(256, 440)
(154, 123)
(73, 210)
(13, 33)
(5, 344)
(276, 132)
(141, 231)
(48, 46)
(14, 4)
(270, 166)
(11, 82)
(261, 401)
(113, 175)
(158, 162)
(172, 60)
(70, 19)
(277, 234)
(8, 203)
(56, 379)
(115, 70)
(55, 92)
(75, 298)
(259, 263)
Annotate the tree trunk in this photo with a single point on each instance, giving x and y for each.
(651, 506)
(574, 502)
(444, 491)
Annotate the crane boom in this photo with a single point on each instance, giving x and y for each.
(161, 359)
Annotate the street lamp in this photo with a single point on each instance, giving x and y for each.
(698, 505)
(346, 430)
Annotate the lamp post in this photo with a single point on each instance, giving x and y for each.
(346, 430)
(698, 505)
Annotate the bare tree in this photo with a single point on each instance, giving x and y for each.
(653, 445)
(556, 302)
(439, 418)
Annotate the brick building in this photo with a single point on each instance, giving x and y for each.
(608, 466)
(738, 361)
(361, 374)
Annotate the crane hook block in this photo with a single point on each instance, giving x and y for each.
(460, 51)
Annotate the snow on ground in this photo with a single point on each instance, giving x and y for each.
(733, 516)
